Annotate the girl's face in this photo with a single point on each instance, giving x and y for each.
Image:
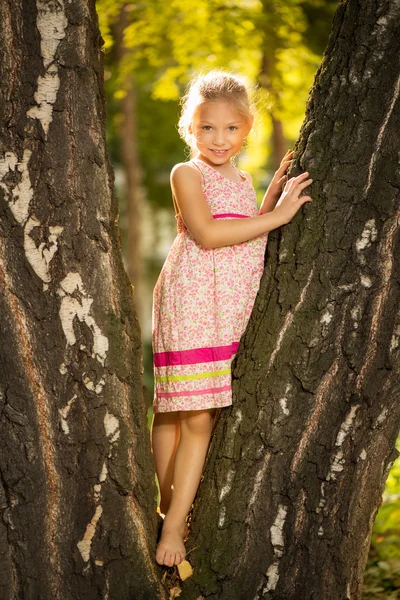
(219, 131)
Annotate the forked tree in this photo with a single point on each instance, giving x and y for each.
(297, 465)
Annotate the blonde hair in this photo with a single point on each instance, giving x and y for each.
(212, 86)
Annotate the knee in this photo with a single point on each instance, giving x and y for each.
(197, 422)
(165, 418)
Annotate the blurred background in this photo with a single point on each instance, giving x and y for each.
(152, 49)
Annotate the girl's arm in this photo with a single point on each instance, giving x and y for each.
(215, 233)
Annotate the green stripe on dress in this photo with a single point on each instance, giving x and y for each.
(194, 376)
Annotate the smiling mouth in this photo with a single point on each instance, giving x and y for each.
(218, 151)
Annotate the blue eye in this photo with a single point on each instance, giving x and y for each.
(205, 127)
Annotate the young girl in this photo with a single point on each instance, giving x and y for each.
(206, 289)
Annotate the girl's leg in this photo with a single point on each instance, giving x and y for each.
(165, 434)
(196, 428)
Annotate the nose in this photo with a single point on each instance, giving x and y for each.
(218, 137)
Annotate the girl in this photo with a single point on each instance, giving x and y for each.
(206, 289)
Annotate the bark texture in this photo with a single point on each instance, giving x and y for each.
(77, 490)
(298, 464)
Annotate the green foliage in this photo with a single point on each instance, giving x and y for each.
(108, 11)
(382, 573)
(169, 41)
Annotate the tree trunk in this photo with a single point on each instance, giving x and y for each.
(130, 160)
(77, 490)
(269, 77)
(278, 140)
(297, 466)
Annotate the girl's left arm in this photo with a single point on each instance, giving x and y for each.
(274, 190)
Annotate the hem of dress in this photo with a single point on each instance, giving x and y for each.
(177, 408)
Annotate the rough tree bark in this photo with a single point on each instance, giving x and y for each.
(77, 489)
(298, 464)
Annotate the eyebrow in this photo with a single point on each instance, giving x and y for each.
(210, 123)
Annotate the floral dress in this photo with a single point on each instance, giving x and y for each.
(202, 302)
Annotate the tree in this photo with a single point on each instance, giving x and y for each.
(128, 136)
(297, 466)
(77, 487)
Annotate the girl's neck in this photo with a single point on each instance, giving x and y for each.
(225, 169)
(222, 167)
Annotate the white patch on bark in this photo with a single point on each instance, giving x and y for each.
(320, 531)
(257, 482)
(85, 543)
(337, 460)
(51, 23)
(388, 113)
(348, 596)
(363, 454)
(278, 544)
(394, 342)
(104, 472)
(89, 384)
(348, 287)
(39, 257)
(231, 440)
(326, 317)
(111, 425)
(356, 316)
(272, 576)
(227, 487)
(283, 403)
(19, 196)
(97, 490)
(337, 465)
(346, 425)
(250, 514)
(63, 412)
(369, 234)
(72, 307)
(277, 530)
(289, 320)
(322, 500)
(222, 514)
(386, 252)
(381, 417)
(365, 281)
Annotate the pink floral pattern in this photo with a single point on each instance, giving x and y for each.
(202, 301)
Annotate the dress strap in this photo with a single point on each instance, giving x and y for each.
(242, 174)
(196, 162)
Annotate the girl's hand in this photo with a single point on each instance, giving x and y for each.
(289, 202)
(275, 187)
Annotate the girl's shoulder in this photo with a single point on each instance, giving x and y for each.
(186, 171)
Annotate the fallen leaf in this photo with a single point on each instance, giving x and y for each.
(174, 592)
(185, 570)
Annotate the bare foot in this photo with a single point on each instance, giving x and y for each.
(185, 531)
(171, 549)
